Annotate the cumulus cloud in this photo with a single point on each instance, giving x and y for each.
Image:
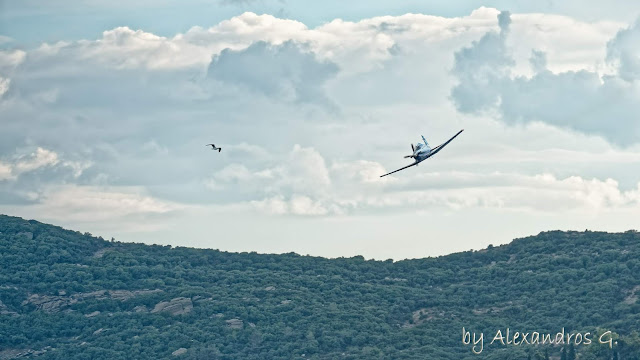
(479, 67)
(125, 48)
(296, 205)
(579, 100)
(131, 208)
(624, 52)
(87, 203)
(4, 86)
(5, 172)
(280, 71)
(5, 39)
(303, 170)
(24, 174)
(42, 157)
(9, 59)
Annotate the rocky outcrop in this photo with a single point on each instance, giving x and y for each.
(179, 352)
(177, 306)
(50, 304)
(125, 295)
(54, 304)
(4, 310)
(633, 296)
(234, 323)
(95, 313)
(21, 353)
(140, 308)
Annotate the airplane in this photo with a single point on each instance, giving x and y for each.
(422, 152)
(213, 147)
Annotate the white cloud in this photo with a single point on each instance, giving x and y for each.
(580, 100)
(102, 210)
(5, 171)
(89, 203)
(624, 52)
(4, 85)
(41, 158)
(5, 39)
(125, 48)
(9, 59)
(355, 46)
(296, 205)
(285, 71)
(235, 173)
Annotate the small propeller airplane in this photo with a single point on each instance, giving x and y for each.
(422, 152)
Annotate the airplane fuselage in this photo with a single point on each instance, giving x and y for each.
(421, 152)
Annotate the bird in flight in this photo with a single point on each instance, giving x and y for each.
(213, 147)
(422, 152)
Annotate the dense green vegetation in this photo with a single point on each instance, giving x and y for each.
(62, 297)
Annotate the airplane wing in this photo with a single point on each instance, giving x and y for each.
(415, 163)
(439, 147)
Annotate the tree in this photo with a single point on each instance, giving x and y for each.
(571, 355)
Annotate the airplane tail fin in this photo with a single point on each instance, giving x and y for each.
(425, 142)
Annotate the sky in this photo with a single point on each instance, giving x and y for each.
(106, 107)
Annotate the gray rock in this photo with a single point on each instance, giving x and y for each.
(177, 306)
(124, 295)
(50, 304)
(4, 310)
(234, 323)
(54, 304)
(140, 308)
(179, 352)
(99, 294)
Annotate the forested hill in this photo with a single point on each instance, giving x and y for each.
(68, 295)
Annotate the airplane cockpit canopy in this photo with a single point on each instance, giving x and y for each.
(419, 145)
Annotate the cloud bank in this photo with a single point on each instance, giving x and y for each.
(587, 101)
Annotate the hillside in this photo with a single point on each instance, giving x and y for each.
(68, 295)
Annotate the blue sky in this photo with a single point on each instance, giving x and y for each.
(106, 107)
